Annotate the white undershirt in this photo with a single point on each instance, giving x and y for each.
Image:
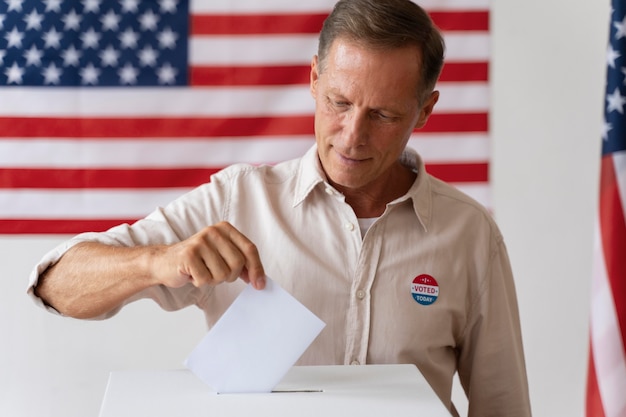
(364, 224)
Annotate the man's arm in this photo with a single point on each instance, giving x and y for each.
(492, 366)
(91, 278)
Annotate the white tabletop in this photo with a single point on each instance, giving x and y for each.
(369, 390)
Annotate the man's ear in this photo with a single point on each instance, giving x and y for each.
(314, 76)
(427, 109)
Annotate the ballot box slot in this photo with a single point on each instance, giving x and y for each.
(289, 391)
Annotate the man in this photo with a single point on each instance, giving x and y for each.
(402, 267)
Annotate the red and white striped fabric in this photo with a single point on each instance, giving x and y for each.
(86, 158)
(606, 385)
(606, 379)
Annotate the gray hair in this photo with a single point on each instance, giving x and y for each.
(386, 24)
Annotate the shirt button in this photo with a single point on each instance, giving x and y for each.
(355, 362)
(349, 226)
(360, 294)
(330, 191)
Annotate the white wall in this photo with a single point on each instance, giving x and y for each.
(548, 76)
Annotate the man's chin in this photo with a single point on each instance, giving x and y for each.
(347, 182)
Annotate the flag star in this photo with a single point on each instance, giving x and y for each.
(2, 54)
(129, 6)
(52, 38)
(52, 74)
(148, 56)
(33, 56)
(167, 38)
(616, 102)
(606, 128)
(14, 74)
(33, 20)
(53, 5)
(109, 56)
(167, 74)
(168, 6)
(128, 74)
(14, 38)
(71, 56)
(14, 5)
(148, 20)
(611, 56)
(71, 21)
(89, 74)
(621, 28)
(90, 39)
(110, 21)
(2, 17)
(91, 6)
(129, 38)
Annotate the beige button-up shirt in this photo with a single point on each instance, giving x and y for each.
(429, 283)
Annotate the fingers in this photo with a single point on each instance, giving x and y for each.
(252, 270)
(220, 253)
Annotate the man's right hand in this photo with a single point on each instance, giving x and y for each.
(91, 279)
(216, 254)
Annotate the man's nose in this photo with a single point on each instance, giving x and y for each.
(356, 128)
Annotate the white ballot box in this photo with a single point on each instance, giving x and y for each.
(366, 390)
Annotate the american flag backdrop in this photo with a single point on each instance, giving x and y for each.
(606, 380)
(109, 109)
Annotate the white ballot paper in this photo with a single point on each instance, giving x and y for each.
(255, 342)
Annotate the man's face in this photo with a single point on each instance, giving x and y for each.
(366, 107)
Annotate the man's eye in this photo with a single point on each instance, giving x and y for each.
(336, 104)
(384, 117)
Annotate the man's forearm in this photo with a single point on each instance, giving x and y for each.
(92, 279)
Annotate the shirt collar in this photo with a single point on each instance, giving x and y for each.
(310, 174)
(420, 192)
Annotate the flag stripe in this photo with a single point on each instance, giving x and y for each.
(434, 5)
(296, 49)
(155, 127)
(163, 153)
(249, 75)
(459, 173)
(609, 357)
(464, 71)
(269, 6)
(613, 232)
(183, 152)
(454, 147)
(54, 226)
(179, 177)
(87, 203)
(125, 102)
(203, 127)
(115, 203)
(593, 405)
(104, 178)
(209, 101)
(248, 24)
(311, 23)
(461, 20)
(299, 74)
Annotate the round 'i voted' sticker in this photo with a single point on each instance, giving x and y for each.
(424, 289)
